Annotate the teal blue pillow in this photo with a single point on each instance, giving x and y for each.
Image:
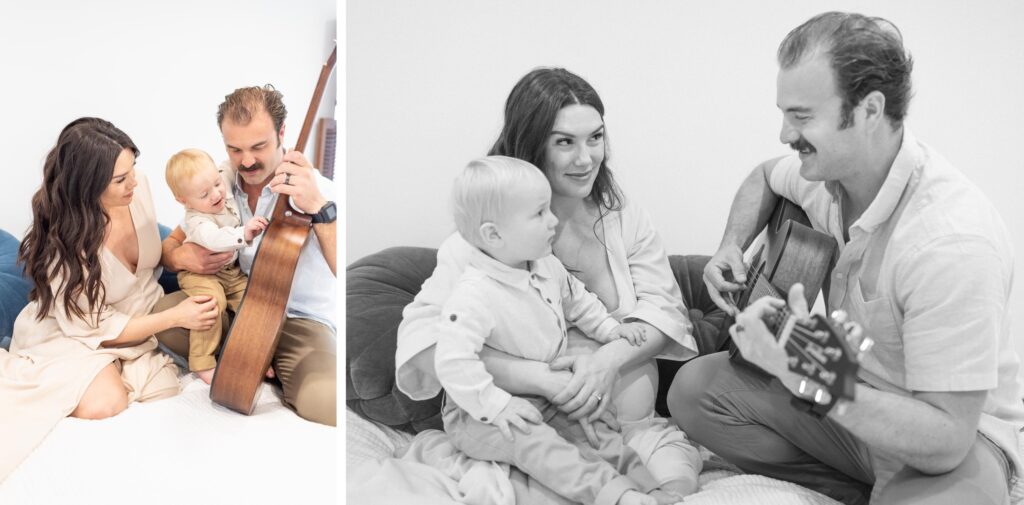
(169, 280)
(14, 287)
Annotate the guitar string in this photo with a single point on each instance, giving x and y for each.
(798, 337)
(803, 336)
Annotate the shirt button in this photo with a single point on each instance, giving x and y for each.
(452, 317)
(483, 419)
(839, 275)
(239, 241)
(548, 299)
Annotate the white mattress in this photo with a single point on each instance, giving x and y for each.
(182, 450)
(373, 476)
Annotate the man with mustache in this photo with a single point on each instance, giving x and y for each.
(924, 264)
(251, 121)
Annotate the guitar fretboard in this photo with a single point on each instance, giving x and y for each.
(805, 347)
(759, 286)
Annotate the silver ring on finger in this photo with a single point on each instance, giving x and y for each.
(598, 397)
(287, 179)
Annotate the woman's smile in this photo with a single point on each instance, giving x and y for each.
(581, 176)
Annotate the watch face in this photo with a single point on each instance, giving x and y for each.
(328, 214)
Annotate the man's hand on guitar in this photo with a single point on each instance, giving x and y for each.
(295, 177)
(758, 344)
(726, 264)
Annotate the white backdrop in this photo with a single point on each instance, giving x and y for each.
(157, 70)
(689, 89)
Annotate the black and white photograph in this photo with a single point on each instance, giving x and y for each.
(773, 261)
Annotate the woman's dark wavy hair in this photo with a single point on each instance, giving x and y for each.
(867, 55)
(68, 221)
(530, 112)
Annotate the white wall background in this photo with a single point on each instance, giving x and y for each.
(157, 70)
(689, 89)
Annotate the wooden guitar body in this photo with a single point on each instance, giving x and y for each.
(256, 329)
(792, 252)
(250, 343)
(823, 351)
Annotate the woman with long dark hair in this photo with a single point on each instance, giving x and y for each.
(84, 346)
(555, 120)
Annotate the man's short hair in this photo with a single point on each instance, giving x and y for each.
(245, 103)
(866, 55)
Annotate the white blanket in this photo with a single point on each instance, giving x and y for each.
(376, 477)
(182, 450)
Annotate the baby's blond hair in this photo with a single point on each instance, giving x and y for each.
(184, 165)
(479, 192)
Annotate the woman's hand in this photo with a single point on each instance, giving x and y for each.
(196, 313)
(589, 392)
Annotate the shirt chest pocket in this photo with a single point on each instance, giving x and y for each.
(875, 314)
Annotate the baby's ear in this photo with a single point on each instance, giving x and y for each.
(180, 200)
(489, 234)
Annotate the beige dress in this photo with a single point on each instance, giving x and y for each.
(52, 361)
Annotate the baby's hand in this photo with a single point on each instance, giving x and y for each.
(518, 413)
(634, 333)
(254, 227)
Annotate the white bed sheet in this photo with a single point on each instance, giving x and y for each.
(376, 477)
(182, 450)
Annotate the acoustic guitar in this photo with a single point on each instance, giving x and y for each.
(256, 328)
(791, 252)
(823, 351)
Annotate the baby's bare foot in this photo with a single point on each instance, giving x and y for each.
(636, 498)
(206, 375)
(680, 488)
(664, 498)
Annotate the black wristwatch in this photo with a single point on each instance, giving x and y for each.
(328, 214)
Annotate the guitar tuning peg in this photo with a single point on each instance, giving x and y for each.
(865, 345)
(833, 353)
(802, 387)
(855, 331)
(839, 316)
(821, 397)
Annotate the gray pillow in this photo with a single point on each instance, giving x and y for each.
(380, 285)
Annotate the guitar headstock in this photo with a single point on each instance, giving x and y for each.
(826, 353)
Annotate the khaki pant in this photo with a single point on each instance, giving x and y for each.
(746, 418)
(556, 454)
(227, 287)
(305, 362)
